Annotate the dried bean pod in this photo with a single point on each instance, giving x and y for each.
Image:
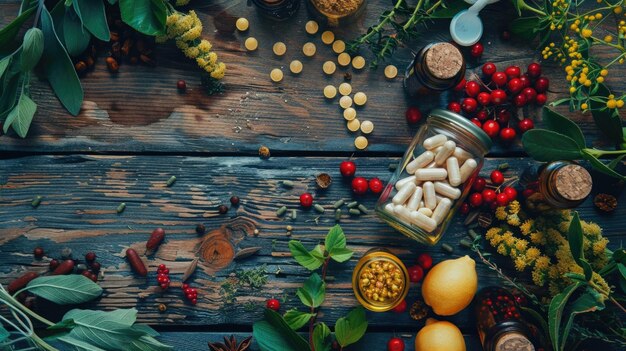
(65, 267)
(156, 238)
(21, 282)
(136, 263)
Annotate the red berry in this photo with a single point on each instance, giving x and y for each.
(477, 50)
(502, 199)
(164, 286)
(166, 271)
(489, 195)
(515, 85)
(359, 185)
(542, 84)
(513, 72)
(222, 209)
(497, 177)
(53, 264)
(489, 69)
(541, 99)
(425, 261)
(395, 344)
(95, 266)
(38, 252)
(520, 100)
(413, 115)
(194, 301)
(525, 125)
(484, 98)
(181, 85)
(530, 93)
(234, 200)
(492, 128)
(528, 192)
(476, 200)
(525, 80)
(472, 88)
(162, 267)
(534, 70)
(185, 286)
(416, 273)
(306, 200)
(479, 184)
(465, 208)
(482, 115)
(273, 304)
(461, 85)
(510, 192)
(503, 116)
(375, 185)
(401, 307)
(498, 96)
(469, 105)
(454, 107)
(347, 168)
(507, 134)
(477, 122)
(499, 78)
(90, 256)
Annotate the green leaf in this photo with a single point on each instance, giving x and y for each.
(335, 238)
(93, 17)
(538, 317)
(64, 324)
(525, 27)
(4, 334)
(575, 238)
(313, 291)
(351, 328)
(555, 313)
(146, 329)
(589, 301)
(107, 330)
(78, 344)
(274, 334)
(8, 33)
(59, 68)
(146, 16)
(4, 63)
(11, 85)
(75, 37)
(600, 166)
(297, 319)
(65, 289)
(304, 257)
(607, 120)
(21, 116)
(616, 162)
(341, 255)
(563, 125)
(32, 48)
(321, 337)
(147, 343)
(622, 270)
(545, 145)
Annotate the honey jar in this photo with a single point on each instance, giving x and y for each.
(380, 280)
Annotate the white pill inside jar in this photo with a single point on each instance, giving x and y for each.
(403, 194)
(445, 152)
(431, 174)
(434, 141)
(402, 213)
(447, 190)
(461, 154)
(420, 161)
(425, 211)
(430, 198)
(454, 172)
(424, 222)
(467, 169)
(400, 183)
(442, 210)
(415, 199)
(389, 208)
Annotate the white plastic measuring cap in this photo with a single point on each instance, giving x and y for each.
(466, 28)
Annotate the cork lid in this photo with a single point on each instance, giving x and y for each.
(573, 182)
(444, 60)
(513, 341)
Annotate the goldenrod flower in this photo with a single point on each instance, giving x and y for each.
(586, 33)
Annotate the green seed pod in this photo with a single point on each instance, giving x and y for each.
(363, 209)
(294, 214)
(36, 201)
(352, 204)
(338, 203)
(354, 211)
(121, 207)
(447, 248)
(171, 181)
(318, 208)
(337, 215)
(281, 211)
(288, 184)
(465, 243)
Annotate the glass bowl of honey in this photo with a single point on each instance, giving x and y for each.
(380, 280)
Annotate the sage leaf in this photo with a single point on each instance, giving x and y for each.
(600, 166)
(8, 33)
(59, 68)
(4, 63)
(555, 313)
(108, 330)
(545, 145)
(146, 329)
(297, 319)
(93, 17)
(575, 238)
(21, 116)
(78, 344)
(304, 257)
(32, 48)
(351, 328)
(341, 254)
(146, 16)
(274, 334)
(561, 124)
(12, 83)
(75, 37)
(313, 291)
(589, 301)
(147, 343)
(321, 337)
(65, 289)
(335, 238)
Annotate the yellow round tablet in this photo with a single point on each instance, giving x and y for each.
(329, 67)
(358, 62)
(311, 27)
(309, 49)
(360, 98)
(328, 37)
(349, 114)
(339, 46)
(251, 44)
(279, 48)
(330, 91)
(295, 66)
(345, 88)
(367, 127)
(242, 24)
(354, 125)
(276, 75)
(360, 142)
(391, 72)
(344, 59)
(345, 101)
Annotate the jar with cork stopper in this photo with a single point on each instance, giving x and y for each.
(435, 68)
(277, 9)
(559, 184)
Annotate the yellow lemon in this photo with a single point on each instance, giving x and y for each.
(450, 285)
(439, 336)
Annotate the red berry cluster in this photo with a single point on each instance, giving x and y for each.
(490, 102)
(190, 293)
(360, 185)
(492, 196)
(163, 277)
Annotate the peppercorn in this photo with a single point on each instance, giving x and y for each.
(200, 229)
(234, 200)
(222, 209)
(264, 152)
(181, 85)
(162, 307)
(323, 180)
(605, 202)
(90, 256)
(38, 252)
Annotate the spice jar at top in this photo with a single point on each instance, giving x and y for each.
(336, 12)
(559, 184)
(434, 176)
(277, 9)
(435, 68)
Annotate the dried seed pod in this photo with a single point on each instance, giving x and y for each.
(605, 202)
(190, 269)
(112, 65)
(323, 180)
(116, 49)
(80, 67)
(485, 219)
(247, 252)
(128, 43)
(135, 262)
(418, 310)
(156, 238)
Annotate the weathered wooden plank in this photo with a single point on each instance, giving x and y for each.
(139, 109)
(81, 193)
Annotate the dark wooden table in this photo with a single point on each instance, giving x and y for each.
(135, 131)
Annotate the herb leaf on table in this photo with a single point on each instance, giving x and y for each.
(313, 291)
(351, 328)
(297, 319)
(64, 289)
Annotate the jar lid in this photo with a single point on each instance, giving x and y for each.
(463, 123)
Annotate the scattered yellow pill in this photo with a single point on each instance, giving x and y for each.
(354, 125)
(308, 49)
(391, 72)
(349, 114)
(279, 48)
(311, 27)
(339, 46)
(330, 91)
(360, 142)
(328, 37)
(329, 67)
(251, 44)
(242, 24)
(295, 67)
(358, 62)
(345, 101)
(360, 98)
(276, 75)
(344, 59)
(367, 127)
(345, 88)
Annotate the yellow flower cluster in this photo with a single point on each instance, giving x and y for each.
(186, 30)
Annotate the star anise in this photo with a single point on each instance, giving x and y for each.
(230, 344)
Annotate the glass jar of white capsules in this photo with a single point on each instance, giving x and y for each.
(434, 176)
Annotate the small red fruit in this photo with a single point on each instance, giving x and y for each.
(95, 266)
(181, 85)
(454, 107)
(465, 208)
(359, 185)
(503, 116)
(413, 115)
(461, 85)
(515, 85)
(497, 177)
(498, 96)
(477, 50)
(489, 69)
(469, 105)
(306, 200)
(499, 78)
(400, 308)
(38, 252)
(347, 168)
(472, 88)
(482, 115)
(489, 196)
(525, 125)
(273, 304)
(507, 134)
(376, 185)
(484, 98)
(542, 84)
(502, 199)
(492, 128)
(510, 192)
(534, 70)
(476, 200)
(425, 261)
(395, 344)
(416, 273)
(530, 93)
(90, 256)
(525, 80)
(476, 122)
(513, 72)
(520, 100)
(479, 184)
(54, 264)
(541, 99)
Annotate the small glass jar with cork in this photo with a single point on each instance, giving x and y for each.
(559, 184)
(435, 68)
(277, 9)
(336, 12)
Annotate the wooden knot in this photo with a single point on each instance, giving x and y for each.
(217, 249)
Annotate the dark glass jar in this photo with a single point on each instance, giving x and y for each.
(336, 12)
(559, 184)
(277, 9)
(435, 68)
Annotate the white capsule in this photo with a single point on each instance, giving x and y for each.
(447, 190)
(431, 174)
(424, 222)
(437, 149)
(425, 211)
(430, 199)
(421, 204)
(461, 154)
(400, 183)
(445, 152)
(454, 173)
(403, 194)
(389, 208)
(420, 161)
(434, 141)
(402, 213)
(415, 199)
(439, 198)
(442, 210)
(467, 169)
